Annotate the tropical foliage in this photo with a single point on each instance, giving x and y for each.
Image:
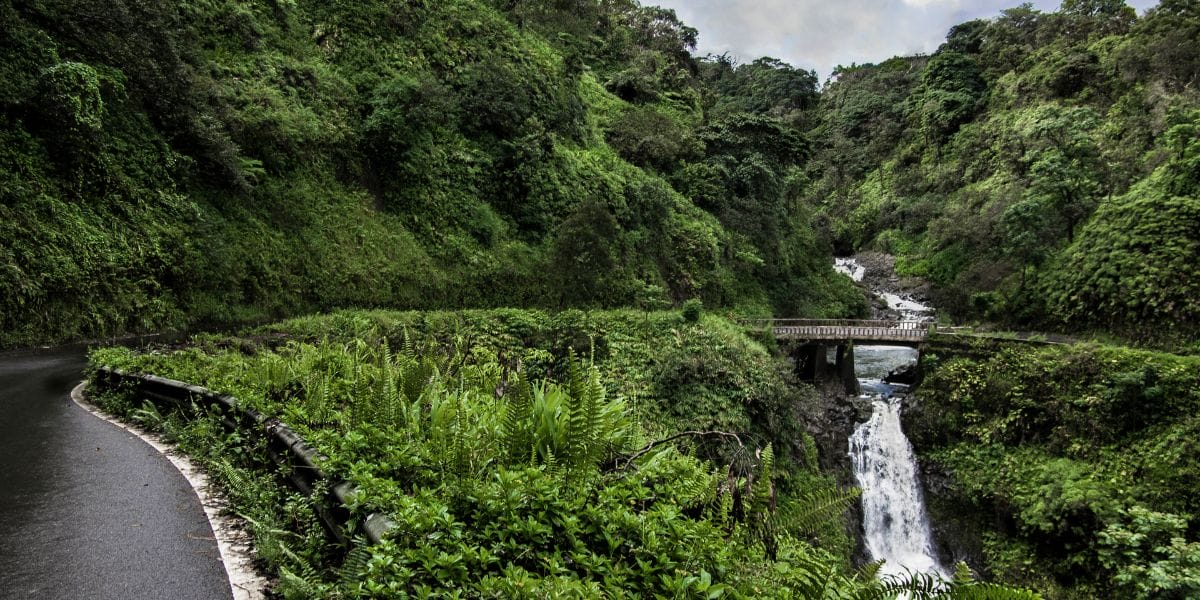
(997, 166)
(504, 485)
(1074, 462)
(168, 163)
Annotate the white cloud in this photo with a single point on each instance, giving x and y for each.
(821, 34)
(928, 2)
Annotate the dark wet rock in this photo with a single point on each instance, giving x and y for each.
(956, 523)
(904, 374)
(830, 422)
(880, 276)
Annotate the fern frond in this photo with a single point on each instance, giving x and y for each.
(987, 591)
(459, 434)
(914, 586)
(354, 567)
(591, 435)
(870, 571)
(812, 510)
(416, 377)
(517, 416)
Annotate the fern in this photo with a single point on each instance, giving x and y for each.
(417, 377)
(354, 567)
(459, 434)
(576, 443)
(764, 494)
(814, 509)
(517, 415)
(300, 578)
(986, 591)
(699, 489)
(915, 586)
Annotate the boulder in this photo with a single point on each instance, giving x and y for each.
(904, 374)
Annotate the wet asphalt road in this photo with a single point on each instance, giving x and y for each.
(87, 511)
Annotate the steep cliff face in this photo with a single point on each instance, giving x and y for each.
(957, 522)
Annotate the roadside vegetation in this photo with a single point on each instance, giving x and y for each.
(513, 468)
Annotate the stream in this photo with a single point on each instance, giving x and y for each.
(895, 525)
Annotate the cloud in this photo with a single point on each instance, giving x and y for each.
(821, 34)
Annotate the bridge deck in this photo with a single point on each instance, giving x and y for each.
(908, 332)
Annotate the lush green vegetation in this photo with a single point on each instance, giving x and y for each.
(1023, 166)
(513, 469)
(1077, 464)
(167, 163)
(164, 163)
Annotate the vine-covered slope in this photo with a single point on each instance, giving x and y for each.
(1040, 168)
(1072, 465)
(167, 162)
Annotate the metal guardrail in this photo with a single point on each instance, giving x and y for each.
(284, 445)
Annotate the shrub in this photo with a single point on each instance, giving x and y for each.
(691, 310)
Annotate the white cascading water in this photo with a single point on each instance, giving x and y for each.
(850, 268)
(895, 526)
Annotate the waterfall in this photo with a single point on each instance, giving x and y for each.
(895, 528)
(850, 268)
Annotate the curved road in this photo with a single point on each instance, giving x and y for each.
(86, 509)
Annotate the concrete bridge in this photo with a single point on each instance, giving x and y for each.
(899, 333)
(808, 342)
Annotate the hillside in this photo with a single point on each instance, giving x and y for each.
(163, 164)
(490, 212)
(1040, 168)
(1065, 468)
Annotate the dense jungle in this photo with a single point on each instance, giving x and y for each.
(495, 258)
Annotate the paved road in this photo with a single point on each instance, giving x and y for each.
(88, 511)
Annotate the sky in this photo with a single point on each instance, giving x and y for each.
(821, 34)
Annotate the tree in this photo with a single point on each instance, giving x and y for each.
(952, 87)
(1011, 38)
(1097, 18)
(1064, 167)
(767, 86)
(648, 137)
(583, 260)
(1028, 236)
(966, 38)
(1164, 44)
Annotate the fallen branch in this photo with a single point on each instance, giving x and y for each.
(652, 445)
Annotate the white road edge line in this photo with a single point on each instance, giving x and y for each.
(233, 540)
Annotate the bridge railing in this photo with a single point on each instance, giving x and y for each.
(923, 326)
(845, 328)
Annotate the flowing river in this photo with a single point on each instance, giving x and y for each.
(895, 526)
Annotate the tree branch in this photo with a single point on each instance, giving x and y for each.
(652, 445)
